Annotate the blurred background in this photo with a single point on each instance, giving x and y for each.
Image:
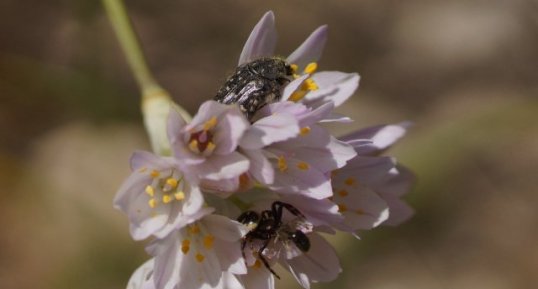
(465, 71)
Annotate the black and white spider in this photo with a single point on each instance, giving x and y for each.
(268, 226)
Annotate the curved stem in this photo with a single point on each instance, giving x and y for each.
(156, 102)
(130, 45)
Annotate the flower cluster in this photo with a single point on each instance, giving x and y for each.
(238, 195)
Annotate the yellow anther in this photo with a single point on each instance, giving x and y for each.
(257, 264)
(305, 130)
(311, 68)
(154, 174)
(167, 199)
(342, 208)
(210, 147)
(211, 123)
(185, 246)
(152, 203)
(282, 164)
(309, 84)
(199, 257)
(208, 241)
(303, 166)
(193, 146)
(172, 182)
(294, 68)
(150, 191)
(359, 212)
(142, 169)
(297, 95)
(350, 181)
(343, 193)
(179, 195)
(194, 229)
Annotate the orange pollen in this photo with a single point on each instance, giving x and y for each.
(257, 264)
(154, 174)
(342, 208)
(282, 164)
(303, 166)
(194, 229)
(349, 181)
(305, 130)
(343, 193)
(199, 257)
(208, 241)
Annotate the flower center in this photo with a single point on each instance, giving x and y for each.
(341, 199)
(201, 142)
(164, 190)
(197, 241)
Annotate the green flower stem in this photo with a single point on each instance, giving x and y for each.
(129, 43)
(156, 102)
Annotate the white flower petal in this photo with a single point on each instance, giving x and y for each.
(142, 277)
(336, 117)
(230, 257)
(143, 159)
(262, 39)
(318, 212)
(310, 50)
(167, 261)
(293, 86)
(175, 125)
(368, 170)
(229, 130)
(223, 167)
(260, 167)
(224, 228)
(399, 211)
(320, 263)
(311, 182)
(258, 278)
(334, 86)
(362, 208)
(382, 137)
(270, 129)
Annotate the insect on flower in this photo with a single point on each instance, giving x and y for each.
(268, 226)
(255, 84)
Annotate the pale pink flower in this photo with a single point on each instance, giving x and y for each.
(142, 278)
(311, 88)
(207, 145)
(280, 156)
(296, 161)
(158, 197)
(368, 190)
(199, 254)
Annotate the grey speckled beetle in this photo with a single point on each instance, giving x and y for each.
(255, 84)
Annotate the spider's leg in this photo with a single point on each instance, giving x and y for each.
(243, 245)
(277, 206)
(265, 262)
